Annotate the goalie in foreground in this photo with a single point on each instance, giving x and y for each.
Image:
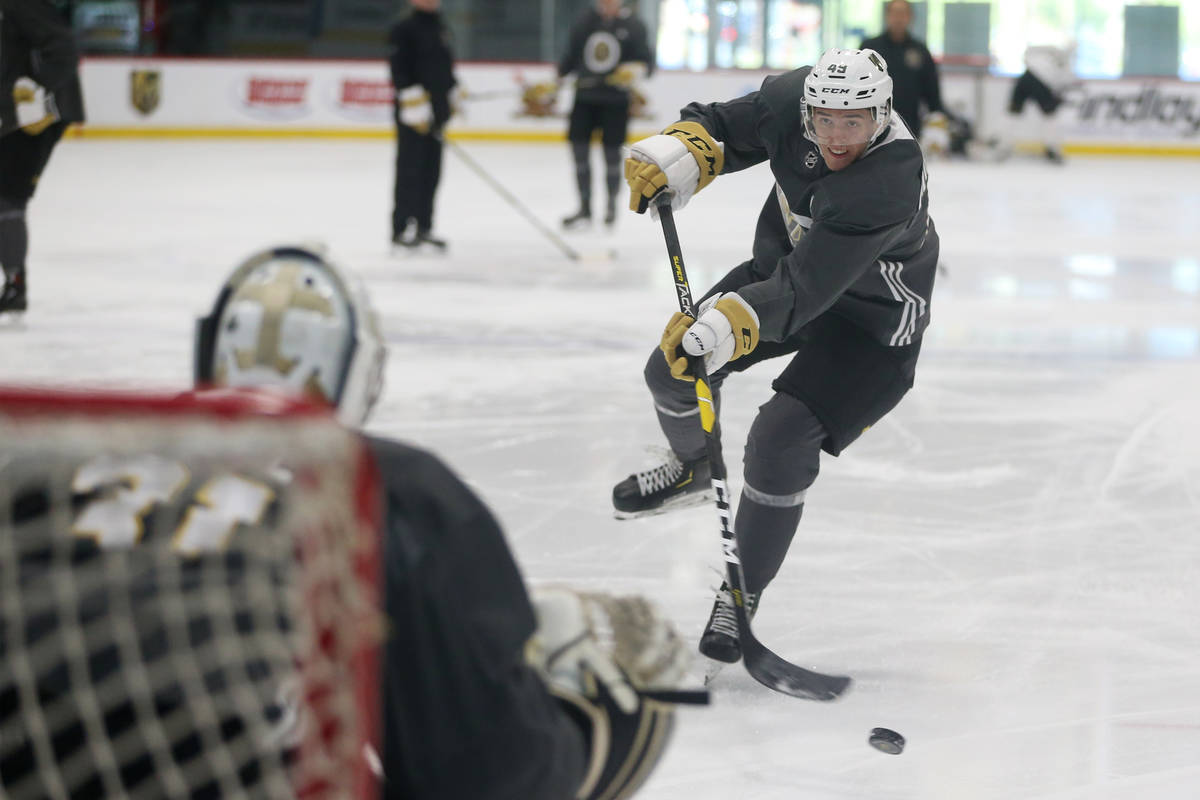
(486, 692)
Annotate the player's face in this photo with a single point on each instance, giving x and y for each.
(608, 8)
(842, 134)
(898, 17)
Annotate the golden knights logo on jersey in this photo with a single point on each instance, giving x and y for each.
(602, 52)
(145, 90)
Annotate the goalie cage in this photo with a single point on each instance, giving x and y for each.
(188, 599)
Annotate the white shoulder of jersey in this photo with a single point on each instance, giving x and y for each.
(897, 132)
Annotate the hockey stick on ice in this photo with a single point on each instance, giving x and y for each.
(500, 189)
(762, 664)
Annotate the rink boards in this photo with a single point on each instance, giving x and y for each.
(246, 98)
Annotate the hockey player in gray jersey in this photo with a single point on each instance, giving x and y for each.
(840, 280)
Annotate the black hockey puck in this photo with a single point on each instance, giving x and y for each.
(886, 741)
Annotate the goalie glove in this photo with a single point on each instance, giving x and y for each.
(726, 329)
(682, 160)
(601, 656)
(34, 106)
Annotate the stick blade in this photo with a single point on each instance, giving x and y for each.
(773, 672)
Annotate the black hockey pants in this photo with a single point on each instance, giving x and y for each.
(418, 170)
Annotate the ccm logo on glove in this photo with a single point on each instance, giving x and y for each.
(726, 329)
(702, 146)
(681, 160)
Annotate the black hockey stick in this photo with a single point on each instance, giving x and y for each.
(762, 664)
(500, 189)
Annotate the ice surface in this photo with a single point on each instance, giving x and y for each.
(1009, 564)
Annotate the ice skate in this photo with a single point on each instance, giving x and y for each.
(421, 241)
(425, 239)
(720, 638)
(666, 487)
(12, 298)
(610, 215)
(580, 220)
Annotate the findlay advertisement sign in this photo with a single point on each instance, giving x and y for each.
(1165, 110)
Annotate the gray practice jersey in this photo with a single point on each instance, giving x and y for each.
(857, 242)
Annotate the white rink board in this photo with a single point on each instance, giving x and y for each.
(196, 96)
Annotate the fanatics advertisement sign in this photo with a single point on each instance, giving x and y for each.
(132, 96)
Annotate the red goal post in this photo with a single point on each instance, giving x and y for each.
(189, 598)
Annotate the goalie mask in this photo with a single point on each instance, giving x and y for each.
(844, 80)
(287, 318)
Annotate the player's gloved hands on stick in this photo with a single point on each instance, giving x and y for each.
(726, 329)
(626, 74)
(682, 160)
(672, 339)
(538, 99)
(34, 111)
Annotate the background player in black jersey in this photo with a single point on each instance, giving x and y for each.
(911, 66)
(422, 67)
(39, 96)
(840, 281)
(482, 698)
(608, 51)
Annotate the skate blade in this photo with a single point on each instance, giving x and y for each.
(685, 501)
(713, 669)
(404, 249)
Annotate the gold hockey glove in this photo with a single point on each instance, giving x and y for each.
(626, 74)
(683, 159)
(726, 329)
(25, 94)
(672, 338)
(538, 99)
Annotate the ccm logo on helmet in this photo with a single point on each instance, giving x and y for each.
(834, 90)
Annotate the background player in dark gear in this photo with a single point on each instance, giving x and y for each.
(487, 692)
(40, 95)
(911, 66)
(840, 280)
(422, 67)
(608, 51)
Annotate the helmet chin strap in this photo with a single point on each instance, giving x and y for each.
(881, 127)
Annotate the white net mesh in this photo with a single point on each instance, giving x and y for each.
(186, 608)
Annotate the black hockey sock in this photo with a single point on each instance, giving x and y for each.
(782, 459)
(764, 533)
(14, 239)
(612, 172)
(583, 175)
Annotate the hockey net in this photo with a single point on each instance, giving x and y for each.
(188, 599)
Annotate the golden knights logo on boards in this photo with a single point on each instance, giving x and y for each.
(145, 89)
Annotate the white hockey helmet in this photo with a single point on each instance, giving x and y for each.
(288, 318)
(845, 79)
